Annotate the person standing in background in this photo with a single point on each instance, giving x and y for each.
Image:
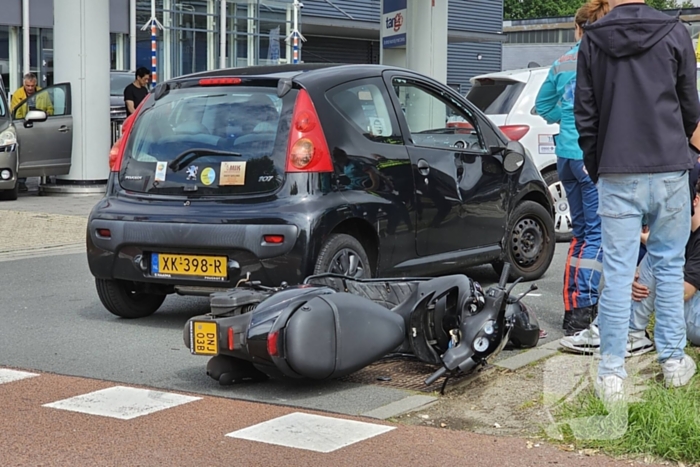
(555, 103)
(137, 91)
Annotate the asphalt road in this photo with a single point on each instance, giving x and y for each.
(52, 321)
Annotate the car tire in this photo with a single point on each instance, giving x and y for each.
(343, 254)
(10, 195)
(562, 213)
(529, 246)
(121, 300)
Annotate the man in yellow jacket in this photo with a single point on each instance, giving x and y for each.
(41, 102)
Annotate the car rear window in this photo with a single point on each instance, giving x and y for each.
(208, 141)
(495, 96)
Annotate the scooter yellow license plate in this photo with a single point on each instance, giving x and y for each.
(204, 338)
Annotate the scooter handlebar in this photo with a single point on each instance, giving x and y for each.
(504, 276)
(435, 376)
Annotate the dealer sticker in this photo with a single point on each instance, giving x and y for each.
(232, 173)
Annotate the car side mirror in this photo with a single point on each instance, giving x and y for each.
(34, 116)
(514, 157)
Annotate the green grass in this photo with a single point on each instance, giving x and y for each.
(665, 424)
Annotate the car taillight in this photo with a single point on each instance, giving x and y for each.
(308, 150)
(515, 132)
(272, 344)
(116, 154)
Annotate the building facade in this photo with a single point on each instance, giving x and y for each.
(543, 40)
(345, 31)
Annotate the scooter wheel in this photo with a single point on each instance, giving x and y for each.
(230, 370)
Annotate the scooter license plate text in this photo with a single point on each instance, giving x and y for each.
(204, 338)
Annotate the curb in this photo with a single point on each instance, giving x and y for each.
(407, 404)
(530, 356)
(69, 249)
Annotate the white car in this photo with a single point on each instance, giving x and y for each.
(508, 99)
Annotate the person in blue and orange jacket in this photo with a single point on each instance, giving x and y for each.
(555, 103)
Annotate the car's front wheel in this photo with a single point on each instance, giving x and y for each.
(345, 255)
(122, 298)
(530, 242)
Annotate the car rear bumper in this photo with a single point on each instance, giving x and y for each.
(8, 160)
(128, 251)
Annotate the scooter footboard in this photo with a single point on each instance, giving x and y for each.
(334, 335)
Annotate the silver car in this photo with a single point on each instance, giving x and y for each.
(35, 142)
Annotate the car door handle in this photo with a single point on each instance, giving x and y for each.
(63, 129)
(423, 167)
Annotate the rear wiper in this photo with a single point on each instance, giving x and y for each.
(182, 160)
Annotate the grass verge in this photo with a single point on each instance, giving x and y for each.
(666, 423)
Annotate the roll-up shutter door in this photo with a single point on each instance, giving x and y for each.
(334, 50)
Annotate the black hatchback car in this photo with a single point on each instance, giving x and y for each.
(277, 173)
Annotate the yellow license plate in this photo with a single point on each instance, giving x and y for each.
(204, 338)
(206, 267)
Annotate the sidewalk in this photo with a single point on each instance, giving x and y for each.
(42, 224)
(42, 424)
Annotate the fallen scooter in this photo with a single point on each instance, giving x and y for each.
(332, 325)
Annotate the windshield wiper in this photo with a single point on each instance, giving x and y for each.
(182, 160)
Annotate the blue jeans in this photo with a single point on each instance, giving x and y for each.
(584, 261)
(641, 312)
(662, 198)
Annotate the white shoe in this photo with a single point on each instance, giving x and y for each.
(588, 342)
(610, 388)
(677, 372)
(638, 343)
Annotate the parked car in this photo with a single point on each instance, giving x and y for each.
(277, 173)
(36, 139)
(508, 99)
(118, 81)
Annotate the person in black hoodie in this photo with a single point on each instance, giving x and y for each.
(636, 109)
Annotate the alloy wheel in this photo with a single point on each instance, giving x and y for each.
(348, 263)
(562, 213)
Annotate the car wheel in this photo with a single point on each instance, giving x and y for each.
(529, 246)
(10, 195)
(343, 254)
(121, 299)
(562, 214)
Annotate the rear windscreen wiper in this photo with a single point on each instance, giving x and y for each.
(182, 160)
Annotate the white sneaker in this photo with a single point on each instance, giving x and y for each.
(677, 372)
(610, 388)
(638, 343)
(588, 342)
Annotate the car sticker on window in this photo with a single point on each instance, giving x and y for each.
(161, 168)
(191, 172)
(208, 176)
(232, 173)
(378, 127)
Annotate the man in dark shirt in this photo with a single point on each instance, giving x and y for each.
(636, 109)
(136, 91)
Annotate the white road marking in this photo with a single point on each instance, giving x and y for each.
(8, 376)
(310, 432)
(122, 402)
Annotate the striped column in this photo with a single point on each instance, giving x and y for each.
(154, 66)
(295, 47)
